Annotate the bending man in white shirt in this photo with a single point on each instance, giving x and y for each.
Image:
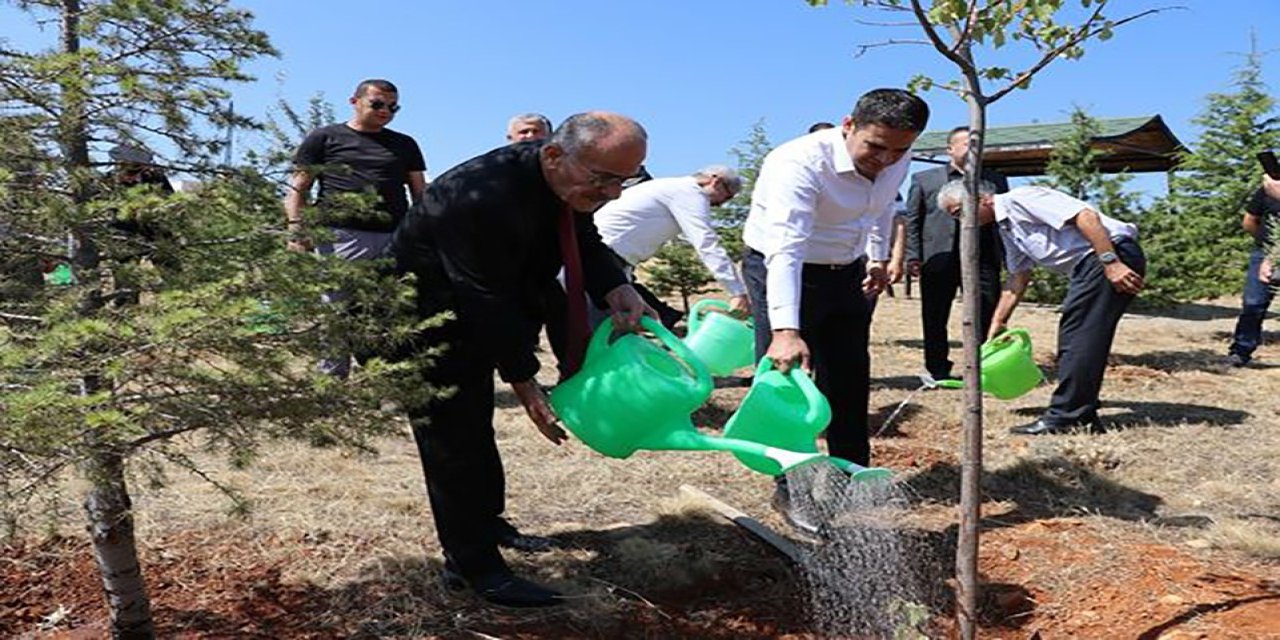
(820, 204)
(652, 213)
(1101, 256)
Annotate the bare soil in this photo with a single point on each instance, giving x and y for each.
(1165, 526)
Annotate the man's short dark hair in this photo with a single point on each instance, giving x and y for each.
(819, 126)
(955, 130)
(376, 83)
(893, 108)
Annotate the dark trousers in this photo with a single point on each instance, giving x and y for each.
(465, 481)
(1257, 299)
(834, 323)
(939, 282)
(1086, 328)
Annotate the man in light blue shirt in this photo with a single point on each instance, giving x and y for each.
(1100, 255)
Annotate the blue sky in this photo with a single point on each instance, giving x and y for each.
(698, 74)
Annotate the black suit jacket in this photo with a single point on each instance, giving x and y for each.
(483, 243)
(932, 235)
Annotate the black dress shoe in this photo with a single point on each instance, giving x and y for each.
(504, 589)
(1042, 428)
(510, 538)
(526, 543)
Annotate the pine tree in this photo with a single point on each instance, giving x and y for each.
(677, 269)
(152, 338)
(1193, 238)
(730, 216)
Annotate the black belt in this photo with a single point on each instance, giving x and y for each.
(817, 265)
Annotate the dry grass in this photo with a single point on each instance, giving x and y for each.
(1192, 441)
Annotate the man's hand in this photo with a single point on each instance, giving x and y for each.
(897, 270)
(1266, 270)
(627, 307)
(539, 410)
(787, 349)
(1271, 186)
(1123, 279)
(996, 329)
(913, 268)
(740, 307)
(877, 279)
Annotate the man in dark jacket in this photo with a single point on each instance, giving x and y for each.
(488, 236)
(933, 253)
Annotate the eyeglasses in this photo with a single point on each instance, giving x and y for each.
(602, 179)
(379, 105)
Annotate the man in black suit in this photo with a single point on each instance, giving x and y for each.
(487, 237)
(933, 253)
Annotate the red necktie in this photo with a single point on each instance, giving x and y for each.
(576, 341)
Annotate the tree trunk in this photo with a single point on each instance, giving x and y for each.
(971, 455)
(107, 504)
(109, 510)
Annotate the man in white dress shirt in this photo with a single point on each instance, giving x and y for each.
(652, 213)
(820, 204)
(1101, 256)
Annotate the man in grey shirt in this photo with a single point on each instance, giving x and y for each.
(1101, 256)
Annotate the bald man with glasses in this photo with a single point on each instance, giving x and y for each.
(487, 238)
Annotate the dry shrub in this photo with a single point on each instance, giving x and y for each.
(1259, 540)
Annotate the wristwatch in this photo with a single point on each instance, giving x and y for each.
(1107, 257)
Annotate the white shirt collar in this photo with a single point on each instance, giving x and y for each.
(840, 157)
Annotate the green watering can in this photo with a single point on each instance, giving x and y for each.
(637, 393)
(786, 410)
(723, 342)
(1008, 370)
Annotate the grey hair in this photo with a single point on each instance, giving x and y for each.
(956, 191)
(728, 177)
(580, 130)
(529, 117)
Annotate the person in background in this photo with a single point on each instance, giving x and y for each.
(933, 254)
(360, 155)
(1261, 215)
(1100, 255)
(648, 215)
(528, 126)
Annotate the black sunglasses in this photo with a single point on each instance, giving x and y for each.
(378, 105)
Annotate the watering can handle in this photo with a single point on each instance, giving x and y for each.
(1021, 335)
(819, 407)
(697, 312)
(677, 346)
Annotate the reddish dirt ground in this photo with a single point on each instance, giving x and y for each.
(1044, 579)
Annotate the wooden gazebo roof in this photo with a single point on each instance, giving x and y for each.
(1129, 144)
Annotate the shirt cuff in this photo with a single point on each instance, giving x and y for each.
(784, 317)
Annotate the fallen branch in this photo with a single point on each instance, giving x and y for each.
(753, 526)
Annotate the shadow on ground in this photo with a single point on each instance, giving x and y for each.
(1042, 488)
(1197, 311)
(1207, 360)
(1158, 414)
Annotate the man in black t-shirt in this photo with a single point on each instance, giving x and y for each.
(359, 156)
(1262, 210)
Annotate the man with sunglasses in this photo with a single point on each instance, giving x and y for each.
(359, 156)
(488, 236)
(648, 215)
(821, 204)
